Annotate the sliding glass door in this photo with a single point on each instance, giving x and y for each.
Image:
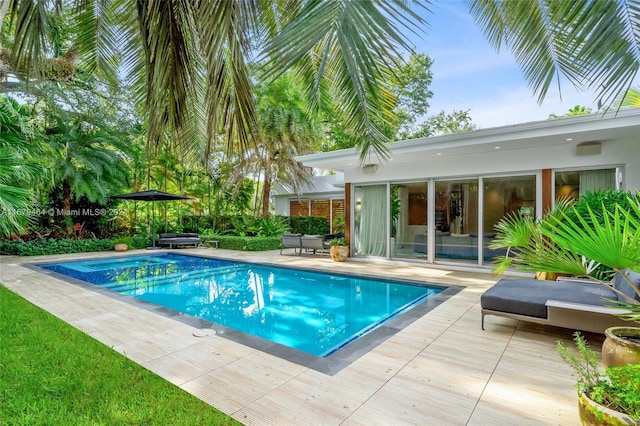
(456, 220)
(446, 220)
(409, 214)
(504, 196)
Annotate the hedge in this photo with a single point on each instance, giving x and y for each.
(232, 242)
(310, 225)
(44, 246)
(50, 246)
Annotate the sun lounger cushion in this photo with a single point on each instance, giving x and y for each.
(529, 297)
(621, 284)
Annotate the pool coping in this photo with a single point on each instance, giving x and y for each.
(329, 365)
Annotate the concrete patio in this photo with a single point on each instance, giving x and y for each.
(440, 370)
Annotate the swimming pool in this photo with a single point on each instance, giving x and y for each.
(317, 313)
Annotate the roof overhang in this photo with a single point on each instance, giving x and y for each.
(580, 129)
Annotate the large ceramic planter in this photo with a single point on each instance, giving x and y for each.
(594, 414)
(339, 253)
(618, 350)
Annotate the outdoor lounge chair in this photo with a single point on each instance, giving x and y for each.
(291, 241)
(314, 243)
(179, 239)
(579, 305)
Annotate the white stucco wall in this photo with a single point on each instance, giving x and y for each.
(625, 153)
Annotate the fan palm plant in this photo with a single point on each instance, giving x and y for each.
(85, 160)
(594, 244)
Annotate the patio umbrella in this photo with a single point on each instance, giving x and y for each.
(151, 195)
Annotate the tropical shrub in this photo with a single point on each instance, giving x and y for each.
(339, 223)
(251, 226)
(600, 202)
(242, 243)
(617, 388)
(19, 170)
(45, 246)
(310, 225)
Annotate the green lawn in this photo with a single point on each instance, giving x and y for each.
(53, 374)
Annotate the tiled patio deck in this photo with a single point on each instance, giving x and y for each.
(440, 370)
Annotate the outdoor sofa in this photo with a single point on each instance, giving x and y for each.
(291, 241)
(308, 243)
(575, 304)
(171, 240)
(314, 243)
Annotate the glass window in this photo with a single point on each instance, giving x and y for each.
(572, 184)
(409, 220)
(504, 196)
(456, 219)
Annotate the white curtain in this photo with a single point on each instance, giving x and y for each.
(403, 216)
(594, 180)
(372, 232)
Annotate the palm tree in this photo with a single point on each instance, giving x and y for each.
(287, 130)
(592, 43)
(18, 169)
(190, 61)
(86, 161)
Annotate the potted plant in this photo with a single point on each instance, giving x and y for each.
(339, 249)
(121, 244)
(581, 240)
(606, 397)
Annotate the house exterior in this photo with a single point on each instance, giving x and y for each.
(323, 196)
(437, 199)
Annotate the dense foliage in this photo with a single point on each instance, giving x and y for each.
(60, 246)
(310, 225)
(600, 202)
(243, 243)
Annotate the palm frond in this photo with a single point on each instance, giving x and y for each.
(31, 30)
(614, 242)
(594, 44)
(629, 98)
(226, 43)
(98, 37)
(529, 249)
(172, 64)
(349, 43)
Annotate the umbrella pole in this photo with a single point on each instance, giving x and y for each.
(153, 228)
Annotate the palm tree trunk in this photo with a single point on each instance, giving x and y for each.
(66, 196)
(266, 192)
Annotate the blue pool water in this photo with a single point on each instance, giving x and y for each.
(317, 313)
